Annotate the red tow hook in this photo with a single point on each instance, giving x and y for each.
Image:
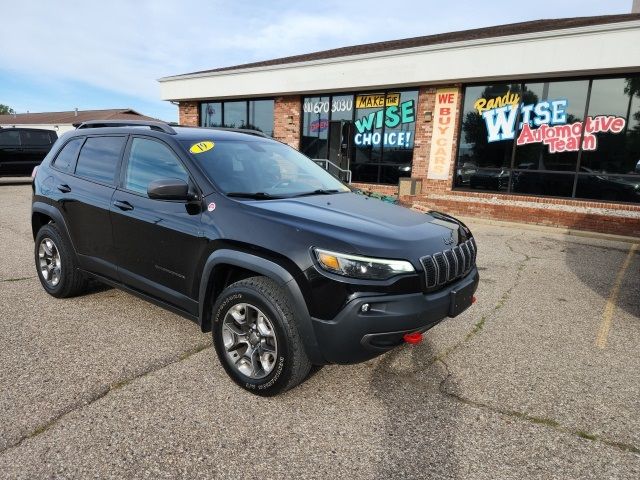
(412, 338)
(474, 299)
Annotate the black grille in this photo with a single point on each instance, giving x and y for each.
(446, 266)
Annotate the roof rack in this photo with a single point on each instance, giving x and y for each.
(248, 131)
(159, 126)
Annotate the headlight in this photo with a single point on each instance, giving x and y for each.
(356, 266)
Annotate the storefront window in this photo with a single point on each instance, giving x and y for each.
(261, 116)
(315, 126)
(536, 155)
(476, 149)
(211, 114)
(371, 134)
(253, 114)
(533, 138)
(235, 114)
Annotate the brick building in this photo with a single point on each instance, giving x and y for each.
(534, 122)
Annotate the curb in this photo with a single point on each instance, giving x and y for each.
(556, 230)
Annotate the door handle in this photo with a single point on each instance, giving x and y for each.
(122, 205)
(64, 188)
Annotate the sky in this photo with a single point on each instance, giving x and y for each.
(66, 54)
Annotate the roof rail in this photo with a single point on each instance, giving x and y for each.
(159, 126)
(248, 131)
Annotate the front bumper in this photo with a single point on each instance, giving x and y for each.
(355, 336)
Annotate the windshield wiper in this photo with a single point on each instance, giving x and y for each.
(319, 191)
(254, 195)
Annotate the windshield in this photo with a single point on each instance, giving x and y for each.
(262, 169)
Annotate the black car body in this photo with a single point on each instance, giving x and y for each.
(22, 149)
(185, 254)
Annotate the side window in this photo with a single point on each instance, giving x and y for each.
(99, 158)
(10, 138)
(150, 160)
(66, 159)
(35, 138)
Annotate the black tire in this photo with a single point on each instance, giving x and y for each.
(291, 362)
(71, 281)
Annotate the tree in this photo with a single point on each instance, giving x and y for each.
(4, 110)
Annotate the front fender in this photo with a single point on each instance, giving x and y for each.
(275, 272)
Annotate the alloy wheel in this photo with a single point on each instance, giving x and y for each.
(249, 341)
(49, 262)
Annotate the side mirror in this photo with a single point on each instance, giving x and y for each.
(168, 189)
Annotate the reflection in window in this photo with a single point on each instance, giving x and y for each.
(618, 101)
(235, 114)
(211, 114)
(261, 116)
(252, 114)
(538, 156)
(539, 183)
(605, 187)
(475, 147)
(150, 160)
(66, 159)
(99, 158)
(315, 126)
(384, 136)
(558, 152)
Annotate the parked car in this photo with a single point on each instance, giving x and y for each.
(490, 179)
(250, 239)
(22, 149)
(464, 172)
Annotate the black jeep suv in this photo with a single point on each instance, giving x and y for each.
(250, 239)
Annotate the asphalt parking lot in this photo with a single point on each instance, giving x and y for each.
(540, 379)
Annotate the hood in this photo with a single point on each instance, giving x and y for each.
(362, 225)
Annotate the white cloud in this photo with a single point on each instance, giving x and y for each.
(124, 46)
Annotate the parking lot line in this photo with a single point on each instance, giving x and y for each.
(610, 307)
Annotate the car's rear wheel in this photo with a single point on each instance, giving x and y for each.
(56, 263)
(256, 338)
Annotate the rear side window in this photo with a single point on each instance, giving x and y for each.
(35, 138)
(66, 159)
(10, 138)
(99, 158)
(148, 161)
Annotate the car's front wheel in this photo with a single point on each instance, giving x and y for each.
(256, 338)
(56, 263)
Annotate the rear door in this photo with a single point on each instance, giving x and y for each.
(158, 242)
(85, 199)
(10, 151)
(35, 146)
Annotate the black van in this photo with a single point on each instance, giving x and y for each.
(22, 149)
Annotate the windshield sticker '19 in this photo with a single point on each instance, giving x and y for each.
(201, 147)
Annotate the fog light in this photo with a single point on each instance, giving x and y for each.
(364, 308)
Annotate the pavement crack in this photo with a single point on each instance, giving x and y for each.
(103, 392)
(479, 325)
(533, 419)
(17, 279)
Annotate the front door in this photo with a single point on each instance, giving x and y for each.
(340, 143)
(158, 242)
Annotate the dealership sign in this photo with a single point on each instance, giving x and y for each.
(377, 100)
(442, 137)
(391, 117)
(544, 122)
